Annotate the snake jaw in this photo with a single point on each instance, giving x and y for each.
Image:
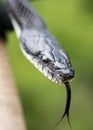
(59, 77)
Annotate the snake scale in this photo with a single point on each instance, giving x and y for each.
(40, 47)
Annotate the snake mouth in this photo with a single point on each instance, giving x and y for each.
(60, 78)
(67, 77)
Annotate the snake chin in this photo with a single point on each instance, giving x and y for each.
(59, 80)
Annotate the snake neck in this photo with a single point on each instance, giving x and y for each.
(24, 15)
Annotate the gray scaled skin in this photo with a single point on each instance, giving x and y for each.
(39, 46)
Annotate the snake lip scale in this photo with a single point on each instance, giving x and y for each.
(40, 47)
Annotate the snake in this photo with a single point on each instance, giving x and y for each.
(40, 47)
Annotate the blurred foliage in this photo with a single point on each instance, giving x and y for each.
(43, 101)
(88, 5)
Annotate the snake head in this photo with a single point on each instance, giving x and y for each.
(44, 51)
(56, 65)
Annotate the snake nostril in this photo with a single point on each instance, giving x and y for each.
(60, 75)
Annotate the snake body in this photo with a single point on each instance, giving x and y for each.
(39, 46)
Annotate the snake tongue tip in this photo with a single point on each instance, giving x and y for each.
(68, 119)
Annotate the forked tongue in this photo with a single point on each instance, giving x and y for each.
(68, 100)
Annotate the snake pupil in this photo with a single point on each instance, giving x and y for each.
(45, 61)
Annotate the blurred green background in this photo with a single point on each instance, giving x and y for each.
(44, 101)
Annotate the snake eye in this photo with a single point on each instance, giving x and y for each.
(45, 61)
